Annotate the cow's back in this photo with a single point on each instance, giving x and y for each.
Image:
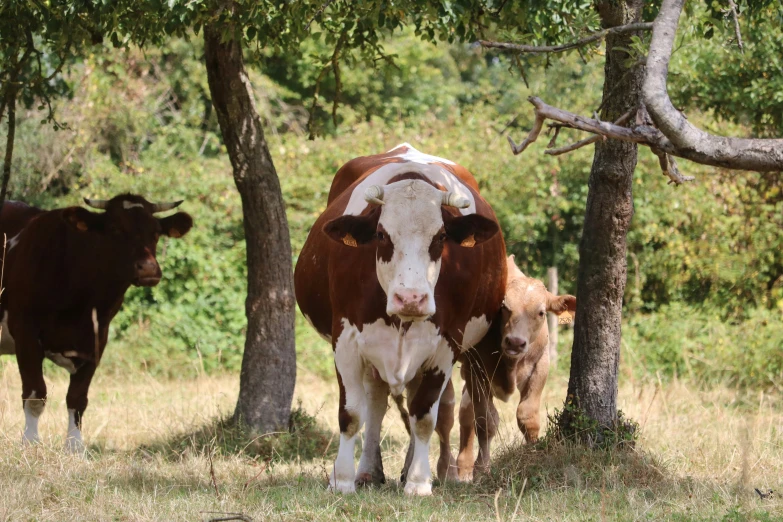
(15, 216)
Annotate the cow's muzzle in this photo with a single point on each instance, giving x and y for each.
(147, 272)
(409, 305)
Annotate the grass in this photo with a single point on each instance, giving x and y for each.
(156, 444)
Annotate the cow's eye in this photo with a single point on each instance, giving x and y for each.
(381, 236)
(541, 313)
(442, 237)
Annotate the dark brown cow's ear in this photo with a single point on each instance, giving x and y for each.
(353, 230)
(83, 220)
(470, 230)
(176, 225)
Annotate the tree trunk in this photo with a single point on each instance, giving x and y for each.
(595, 358)
(9, 102)
(269, 363)
(552, 319)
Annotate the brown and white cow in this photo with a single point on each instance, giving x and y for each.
(513, 354)
(403, 271)
(66, 273)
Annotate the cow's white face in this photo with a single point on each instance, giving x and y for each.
(410, 229)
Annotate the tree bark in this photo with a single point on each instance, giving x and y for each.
(8, 103)
(595, 358)
(269, 362)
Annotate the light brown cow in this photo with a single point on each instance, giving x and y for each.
(514, 354)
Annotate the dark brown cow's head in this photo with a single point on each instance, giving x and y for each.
(410, 226)
(128, 232)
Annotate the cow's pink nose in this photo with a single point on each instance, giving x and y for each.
(410, 302)
(515, 345)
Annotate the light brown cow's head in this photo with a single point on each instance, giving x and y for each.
(525, 306)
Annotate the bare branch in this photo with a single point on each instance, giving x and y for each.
(679, 136)
(669, 167)
(735, 16)
(539, 49)
(533, 136)
(587, 141)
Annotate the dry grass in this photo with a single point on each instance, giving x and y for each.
(152, 441)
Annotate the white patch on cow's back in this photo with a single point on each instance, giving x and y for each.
(415, 155)
(127, 205)
(327, 338)
(428, 166)
(7, 344)
(475, 331)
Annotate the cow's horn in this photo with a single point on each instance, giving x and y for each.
(450, 199)
(374, 194)
(163, 207)
(97, 203)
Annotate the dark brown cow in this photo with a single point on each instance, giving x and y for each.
(513, 355)
(66, 273)
(401, 273)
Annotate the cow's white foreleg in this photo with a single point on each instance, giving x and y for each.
(350, 370)
(73, 439)
(423, 416)
(33, 408)
(371, 464)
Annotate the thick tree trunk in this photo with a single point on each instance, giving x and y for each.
(269, 362)
(602, 251)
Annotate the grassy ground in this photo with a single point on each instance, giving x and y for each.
(700, 456)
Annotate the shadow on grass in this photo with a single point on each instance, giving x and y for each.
(304, 440)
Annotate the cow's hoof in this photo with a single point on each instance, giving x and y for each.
(365, 479)
(74, 445)
(342, 486)
(418, 490)
(30, 441)
(465, 476)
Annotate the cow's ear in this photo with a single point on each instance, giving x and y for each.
(176, 225)
(353, 230)
(560, 304)
(83, 220)
(470, 230)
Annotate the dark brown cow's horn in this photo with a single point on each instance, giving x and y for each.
(97, 203)
(162, 207)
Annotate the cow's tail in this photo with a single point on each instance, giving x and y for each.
(398, 400)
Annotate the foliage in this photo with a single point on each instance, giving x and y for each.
(741, 87)
(142, 122)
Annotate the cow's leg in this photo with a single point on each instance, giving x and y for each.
(530, 390)
(423, 416)
(76, 400)
(350, 373)
(29, 358)
(411, 388)
(467, 434)
(487, 420)
(447, 466)
(370, 464)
